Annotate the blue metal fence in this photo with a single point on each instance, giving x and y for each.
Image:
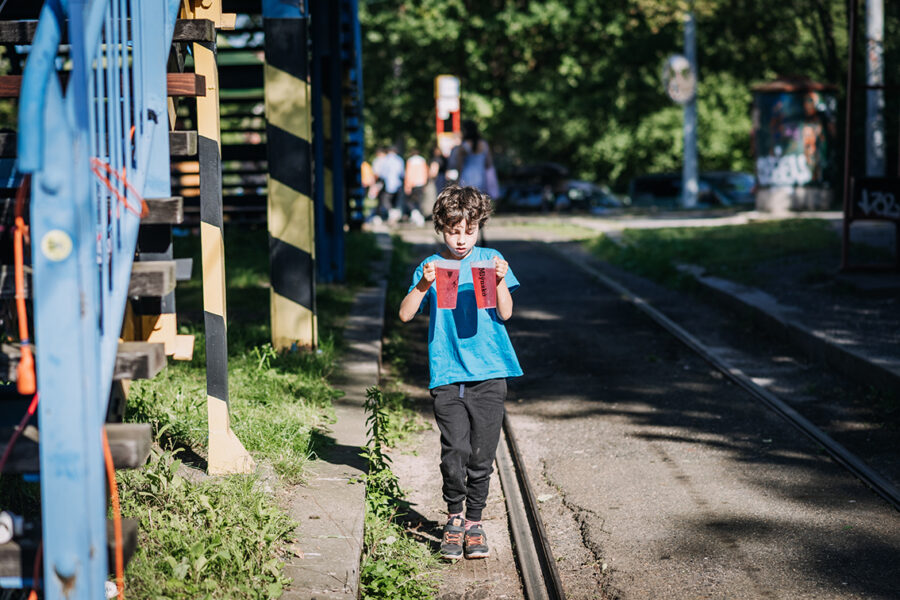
(94, 149)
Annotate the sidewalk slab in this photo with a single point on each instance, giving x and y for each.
(882, 372)
(330, 508)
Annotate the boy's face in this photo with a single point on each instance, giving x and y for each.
(460, 238)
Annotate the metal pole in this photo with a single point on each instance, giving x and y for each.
(848, 132)
(689, 171)
(875, 158)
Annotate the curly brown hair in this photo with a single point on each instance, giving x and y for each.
(456, 203)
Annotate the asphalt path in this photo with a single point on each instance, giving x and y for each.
(681, 484)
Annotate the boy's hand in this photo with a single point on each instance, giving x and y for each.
(502, 267)
(429, 272)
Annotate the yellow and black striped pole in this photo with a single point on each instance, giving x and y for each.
(226, 453)
(291, 215)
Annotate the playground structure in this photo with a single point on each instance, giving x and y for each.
(104, 96)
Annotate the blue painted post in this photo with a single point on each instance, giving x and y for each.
(336, 96)
(322, 191)
(63, 252)
(355, 131)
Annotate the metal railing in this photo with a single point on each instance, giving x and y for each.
(94, 149)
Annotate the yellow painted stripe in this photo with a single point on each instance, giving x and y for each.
(288, 316)
(288, 102)
(208, 105)
(213, 253)
(291, 216)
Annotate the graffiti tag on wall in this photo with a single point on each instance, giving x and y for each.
(876, 198)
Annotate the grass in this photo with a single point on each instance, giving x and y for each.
(395, 564)
(730, 252)
(224, 537)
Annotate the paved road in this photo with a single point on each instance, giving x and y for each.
(681, 485)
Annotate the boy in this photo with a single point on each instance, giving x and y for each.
(469, 358)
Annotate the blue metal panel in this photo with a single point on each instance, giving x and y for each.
(113, 119)
(285, 9)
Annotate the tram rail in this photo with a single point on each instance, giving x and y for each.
(841, 455)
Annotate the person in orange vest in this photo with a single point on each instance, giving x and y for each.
(414, 182)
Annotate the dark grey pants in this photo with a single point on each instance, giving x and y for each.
(469, 416)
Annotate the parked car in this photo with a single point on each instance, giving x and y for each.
(715, 188)
(585, 195)
(739, 188)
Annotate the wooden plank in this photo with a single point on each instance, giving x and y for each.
(139, 360)
(178, 84)
(17, 556)
(164, 211)
(129, 541)
(183, 143)
(134, 360)
(17, 32)
(186, 84)
(129, 444)
(194, 30)
(8, 144)
(8, 282)
(152, 278)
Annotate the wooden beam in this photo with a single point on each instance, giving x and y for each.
(129, 444)
(139, 360)
(194, 30)
(183, 143)
(17, 557)
(8, 144)
(134, 360)
(8, 282)
(21, 33)
(152, 278)
(178, 84)
(164, 211)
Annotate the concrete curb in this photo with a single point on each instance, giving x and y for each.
(330, 508)
(780, 320)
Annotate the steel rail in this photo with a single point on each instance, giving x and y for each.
(836, 451)
(533, 550)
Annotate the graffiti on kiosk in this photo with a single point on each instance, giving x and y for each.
(876, 203)
(793, 133)
(792, 169)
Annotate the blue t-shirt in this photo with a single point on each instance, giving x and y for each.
(467, 343)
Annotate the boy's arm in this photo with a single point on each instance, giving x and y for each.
(504, 298)
(410, 305)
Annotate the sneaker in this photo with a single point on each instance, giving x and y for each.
(476, 543)
(452, 540)
(416, 218)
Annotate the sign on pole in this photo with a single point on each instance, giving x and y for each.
(446, 97)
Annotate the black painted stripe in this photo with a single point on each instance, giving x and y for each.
(216, 356)
(294, 157)
(292, 272)
(285, 42)
(210, 181)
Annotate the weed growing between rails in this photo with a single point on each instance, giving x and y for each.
(394, 565)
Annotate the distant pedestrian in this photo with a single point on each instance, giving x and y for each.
(389, 167)
(469, 358)
(472, 158)
(414, 182)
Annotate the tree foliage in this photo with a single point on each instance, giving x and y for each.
(578, 81)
